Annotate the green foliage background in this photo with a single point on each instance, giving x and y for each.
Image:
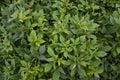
(59, 39)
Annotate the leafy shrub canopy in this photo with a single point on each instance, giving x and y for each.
(59, 39)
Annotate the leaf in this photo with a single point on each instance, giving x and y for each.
(42, 58)
(112, 30)
(99, 70)
(95, 63)
(40, 20)
(66, 19)
(39, 41)
(82, 38)
(55, 13)
(73, 66)
(106, 48)
(95, 7)
(118, 49)
(7, 63)
(83, 63)
(72, 73)
(56, 75)
(50, 59)
(83, 2)
(48, 67)
(33, 49)
(100, 53)
(32, 36)
(2, 29)
(13, 62)
(97, 75)
(51, 52)
(34, 24)
(61, 70)
(23, 63)
(62, 39)
(14, 16)
(90, 72)
(42, 49)
(22, 3)
(65, 54)
(28, 23)
(82, 72)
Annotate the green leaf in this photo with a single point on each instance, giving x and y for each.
(82, 72)
(23, 63)
(48, 67)
(2, 29)
(65, 54)
(106, 48)
(39, 41)
(33, 49)
(100, 53)
(99, 70)
(13, 62)
(55, 13)
(51, 52)
(7, 63)
(50, 59)
(32, 36)
(73, 66)
(61, 70)
(42, 58)
(118, 49)
(62, 39)
(42, 49)
(28, 23)
(56, 75)
(82, 38)
(97, 75)
(112, 30)
(95, 63)
(14, 16)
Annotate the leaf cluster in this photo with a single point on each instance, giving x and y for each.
(59, 39)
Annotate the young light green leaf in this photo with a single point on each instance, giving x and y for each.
(50, 51)
(100, 53)
(32, 36)
(65, 54)
(50, 59)
(39, 41)
(62, 39)
(23, 63)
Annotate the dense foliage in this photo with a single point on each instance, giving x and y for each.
(59, 39)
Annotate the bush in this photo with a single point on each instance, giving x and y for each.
(59, 40)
